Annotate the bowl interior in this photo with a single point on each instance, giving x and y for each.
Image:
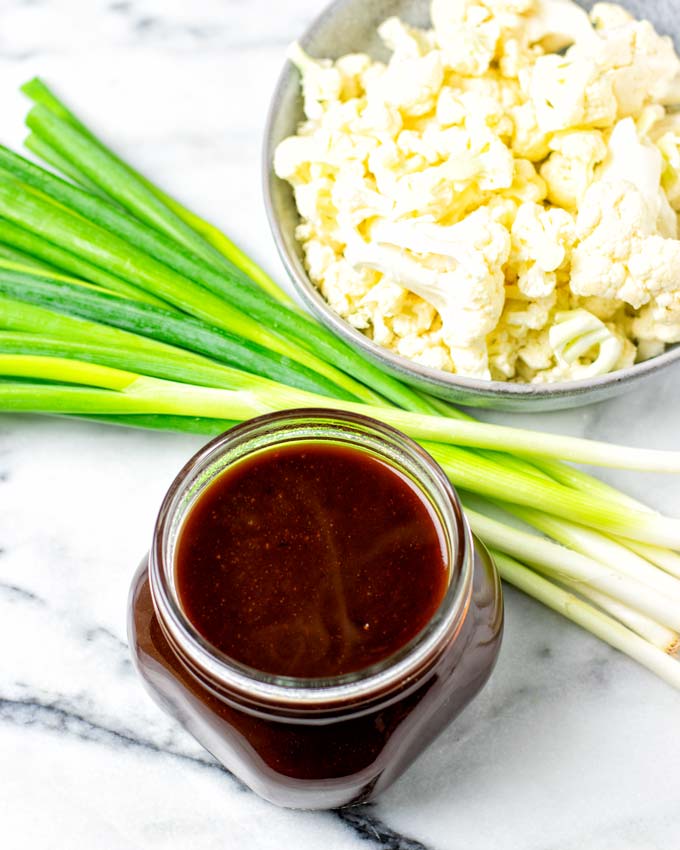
(350, 26)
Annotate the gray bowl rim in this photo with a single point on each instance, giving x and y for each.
(313, 299)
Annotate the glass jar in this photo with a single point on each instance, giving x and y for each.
(317, 743)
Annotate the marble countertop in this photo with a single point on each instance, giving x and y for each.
(570, 746)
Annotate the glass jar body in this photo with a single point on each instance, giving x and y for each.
(324, 758)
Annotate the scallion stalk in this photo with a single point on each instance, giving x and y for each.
(152, 358)
(564, 564)
(60, 259)
(115, 179)
(589, 618)
(594, 545)
(41, 94)
(663, 558)
(162, 325)
(663, 638)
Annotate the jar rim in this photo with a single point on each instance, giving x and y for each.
(224, 675)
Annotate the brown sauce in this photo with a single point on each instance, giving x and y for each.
(310, 560)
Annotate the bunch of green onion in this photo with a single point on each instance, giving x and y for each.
(117, 303)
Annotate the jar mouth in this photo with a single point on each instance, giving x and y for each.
(223, 674)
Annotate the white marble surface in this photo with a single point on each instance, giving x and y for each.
(571, 745)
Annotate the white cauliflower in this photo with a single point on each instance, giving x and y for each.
(641, 65)
(619, 254)
(461, 276)
(321, 81)
(405, 41)
(659, 321)
(514, 163)
(541, 242)
(411, 83)
(669, 147)
(568, 92)
(626, 250)
(467, 34)
(640, 163)
(606, 16)
(556, 24)
(570, 168)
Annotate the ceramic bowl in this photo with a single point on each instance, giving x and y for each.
(349, 26)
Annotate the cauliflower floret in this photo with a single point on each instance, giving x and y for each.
(411, 84)
(569, 92)
(382, 303)
(466, 33)
(632, 160)
(502, 210)
(669, 146)
(627, 247)
(570, 169)
(441, 172)
(405, 41)
(648, 348)
(519, 344)
(528, 314)
(619, 254)
(459, 270)
(641, 65)
(558, 23)
(606, 16)
(527, 185)
(502, 351)
(321, 81)
(314, 200)
(294, 157)
(356, 199)
(343, 286)
(541, 242)
(427, 349)
(478, 112)
(659, 321)
(529, 141)
(606, 309)
(536, 355)
(493, 85)
(506, 8)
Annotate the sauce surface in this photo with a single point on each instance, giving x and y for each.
(310, 560)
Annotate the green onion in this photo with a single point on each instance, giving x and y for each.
(58, 259)
(665, 639)
(181, 424)
(162, 325)
(600, 548)
(155, 359)
(43, 150)
(103, 249)
(589, 617)
(662, 558)
(115, 179)
(15, 258)
(564, 564)
(40, 94)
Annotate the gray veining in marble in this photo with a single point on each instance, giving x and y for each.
(571, 745)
